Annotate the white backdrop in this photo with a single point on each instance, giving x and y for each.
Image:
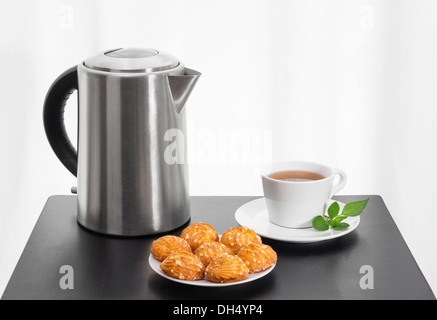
(348, 83)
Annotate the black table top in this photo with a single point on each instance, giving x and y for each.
(117, 268)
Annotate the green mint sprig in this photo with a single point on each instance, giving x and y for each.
(334, 220)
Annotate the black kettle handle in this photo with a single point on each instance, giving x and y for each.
(53, 117)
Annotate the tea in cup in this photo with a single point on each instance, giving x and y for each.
(297, 191)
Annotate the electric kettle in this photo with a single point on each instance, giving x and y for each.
(130, 162)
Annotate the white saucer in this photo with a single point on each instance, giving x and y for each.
(254, 215)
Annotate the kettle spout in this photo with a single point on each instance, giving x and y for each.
(181, 87)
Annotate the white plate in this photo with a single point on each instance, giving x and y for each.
(254, 215)
(154, 264)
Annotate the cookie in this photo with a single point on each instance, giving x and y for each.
(183, 266)
(161, 248)
(257, 256)
(198, 234)
(238, 237)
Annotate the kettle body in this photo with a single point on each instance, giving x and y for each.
(130, 161)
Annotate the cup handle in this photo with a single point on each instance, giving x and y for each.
(341, 183)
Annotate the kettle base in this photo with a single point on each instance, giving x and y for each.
(131, 235)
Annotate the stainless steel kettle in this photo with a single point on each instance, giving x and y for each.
(130, 161)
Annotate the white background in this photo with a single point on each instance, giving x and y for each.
(348, 83)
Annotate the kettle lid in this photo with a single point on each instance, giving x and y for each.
(132, 60)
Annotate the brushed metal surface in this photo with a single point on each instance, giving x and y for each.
(126, 186)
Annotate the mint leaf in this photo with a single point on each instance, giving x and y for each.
(341, 226)
(331, 222)
(339, 219)
(333, 210)
(354, 209)
(320, 224)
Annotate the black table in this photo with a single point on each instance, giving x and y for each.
(117, 268)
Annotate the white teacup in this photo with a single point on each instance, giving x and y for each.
(293, 204)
